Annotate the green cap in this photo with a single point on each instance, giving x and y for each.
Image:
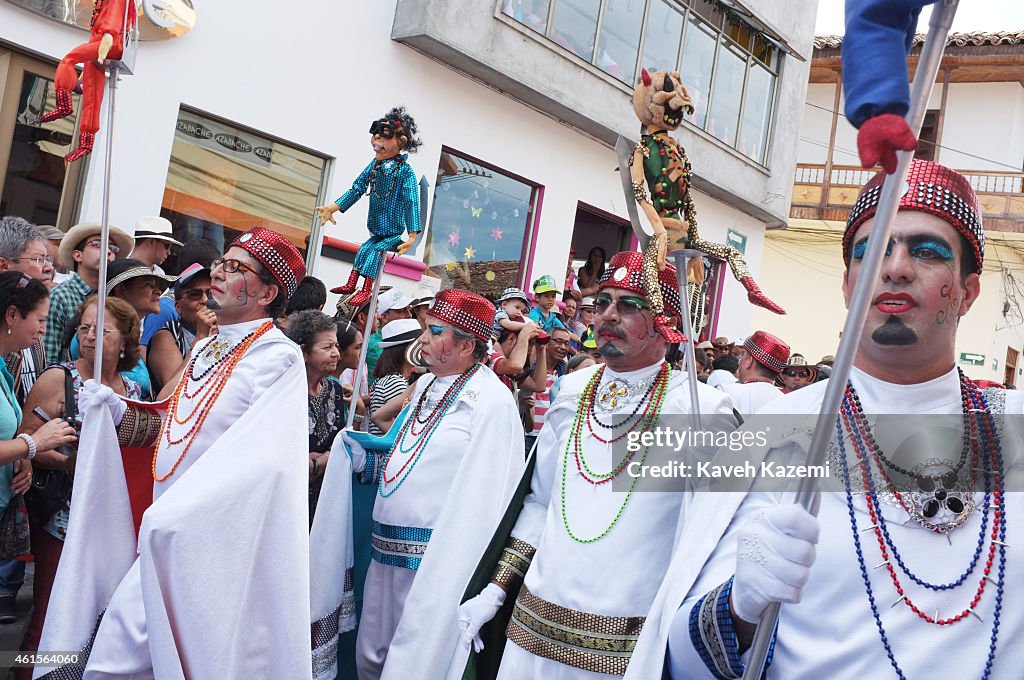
(588, 340)
(545, 284)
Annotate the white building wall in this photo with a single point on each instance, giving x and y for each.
(316, 77)
(982, 128)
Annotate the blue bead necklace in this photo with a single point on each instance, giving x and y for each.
(420, 442)
(993, 454)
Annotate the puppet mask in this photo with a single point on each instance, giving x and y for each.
(660, 100)
(387, 138)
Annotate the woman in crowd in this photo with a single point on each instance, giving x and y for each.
(171, 345)
(120, 348)
(317, 335)
(592, 271)
(26, 303)
(393, 369)
(350, 345)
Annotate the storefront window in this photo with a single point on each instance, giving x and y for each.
(574, 26)
(717, 43)
(620, 38)
(664, 29)
(34, 179)
(224, 179)
(480, 227)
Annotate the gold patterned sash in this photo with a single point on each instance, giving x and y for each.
(595, 643)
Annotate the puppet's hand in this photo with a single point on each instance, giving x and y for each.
(326, 213)
(404, 247)
(106, 42)
(880, 137)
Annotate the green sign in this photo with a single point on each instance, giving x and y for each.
(737, 240)
(972, 359)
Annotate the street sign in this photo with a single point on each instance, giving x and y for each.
(737, 240)
(972, 359)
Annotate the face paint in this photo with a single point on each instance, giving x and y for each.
(952, 304)
(437, 330)
(894, 333)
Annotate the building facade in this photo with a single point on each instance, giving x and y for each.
(975, 124)
(258, 114)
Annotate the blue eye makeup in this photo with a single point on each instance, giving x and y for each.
(861, 247)
(437, 330)
(932, 249)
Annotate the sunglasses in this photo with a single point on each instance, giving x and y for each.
(385, 128)
(194, 294)
(797, 374)
(625, 306)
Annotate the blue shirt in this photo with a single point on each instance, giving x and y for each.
(394, 197)
(10, 419)
(154, 322)
(878, 37)
(548, 323)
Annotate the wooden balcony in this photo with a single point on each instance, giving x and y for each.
(817, 197)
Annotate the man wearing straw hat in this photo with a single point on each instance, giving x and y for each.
(80, 251)
(905, 569)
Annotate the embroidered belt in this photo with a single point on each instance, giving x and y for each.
(592, 642)
(397, 546)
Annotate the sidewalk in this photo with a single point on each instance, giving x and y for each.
(12, 633)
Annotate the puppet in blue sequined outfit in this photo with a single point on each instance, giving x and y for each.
(394, 200)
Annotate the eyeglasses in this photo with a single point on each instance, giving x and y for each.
(96, 243)
(85, 330)
(797, 374)
(194, 294)
(560, 343)
(36, 259)
(625, 306)
(231, 265)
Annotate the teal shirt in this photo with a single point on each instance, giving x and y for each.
(373, 351)
(10, 419)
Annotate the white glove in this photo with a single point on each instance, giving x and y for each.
(356, 452)
(776, 551)
(473, 614)
(98, 393)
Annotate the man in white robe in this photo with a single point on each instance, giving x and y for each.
(220, 588)
(854, 609)
(764, 356)
(594, 553)
(442, 490)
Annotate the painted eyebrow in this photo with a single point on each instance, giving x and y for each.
(911, 239)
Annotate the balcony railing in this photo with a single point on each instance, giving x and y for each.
(815, 196)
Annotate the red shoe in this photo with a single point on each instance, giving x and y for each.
(63, 107)
(84, 147)
(360, 298)
(349, 287)
(757, 297)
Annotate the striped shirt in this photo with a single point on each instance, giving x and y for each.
(542, 400)
(384, 390)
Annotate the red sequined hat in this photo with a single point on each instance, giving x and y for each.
(767, 350)
(463, 309)
(625, 270)
(930, 188)
(276, 253)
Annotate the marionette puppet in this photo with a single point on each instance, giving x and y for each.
(110, 20)
(661, 176)
(390, 183)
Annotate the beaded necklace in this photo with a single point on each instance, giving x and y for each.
(655, 398)
(991, 458)
(419, 444)
(378, 166)
(206, 396)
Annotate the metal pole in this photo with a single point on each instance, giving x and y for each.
(367, 329)
(807, 492)
(682, 258)
(101, 288)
